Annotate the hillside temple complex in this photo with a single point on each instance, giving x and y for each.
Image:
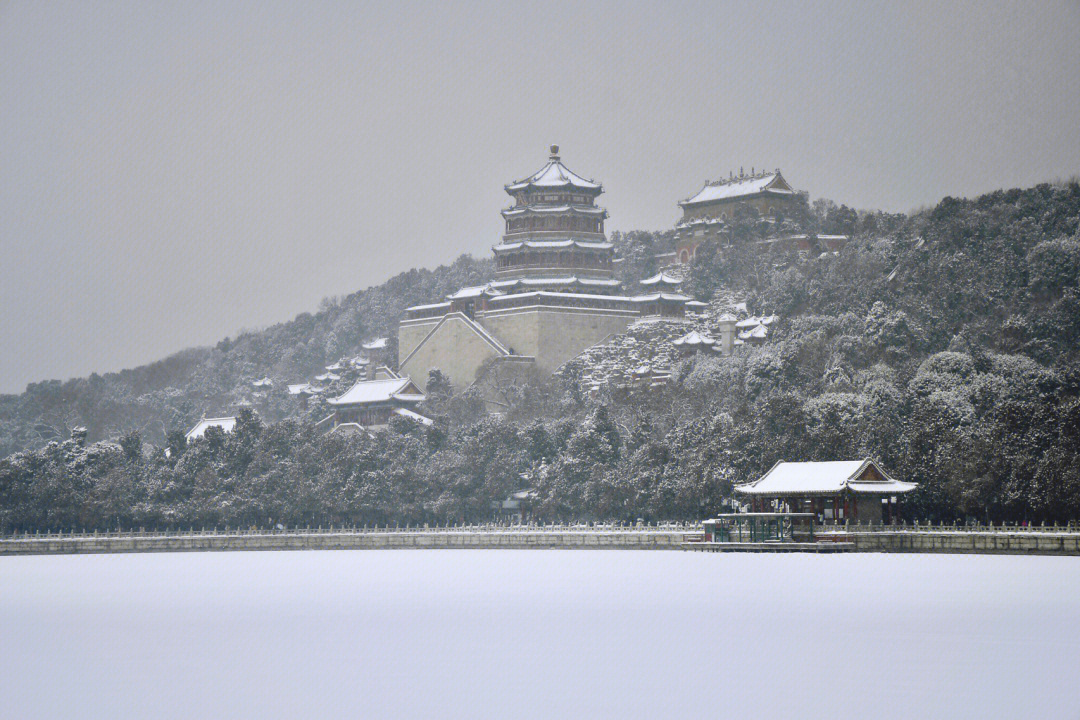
(707, 215)
(554, 292)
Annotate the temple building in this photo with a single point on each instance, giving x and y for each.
(857, 491)
(706, 214)
(554, 292)
(371, 404)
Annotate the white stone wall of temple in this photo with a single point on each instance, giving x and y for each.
(455, 348)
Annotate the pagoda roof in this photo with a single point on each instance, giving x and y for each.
(653, 297)
(568, 280)
(740, 187)
(554, 209)
(818, 478)
(554, 175)
(547, 244)
(547, 293)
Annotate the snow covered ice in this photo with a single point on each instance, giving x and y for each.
(467, 634)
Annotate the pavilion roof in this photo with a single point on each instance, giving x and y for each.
(743, 186)
(554, 175)
(694, 338)
(554, 209)
(821, 478)
(561, 243)
(375, 391)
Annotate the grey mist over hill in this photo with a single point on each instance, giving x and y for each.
(171, 174)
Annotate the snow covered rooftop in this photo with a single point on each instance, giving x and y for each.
(694, 338)
(653, 297)
(304, 389)
(545, 209)
(376, 344)
(225, 423)
(432, 306)
(474, 291)
(771, 182)
(759, 332)
(753, 321)
(263, 382)
(327, 377)
(662, 278)
(553, 175)
(796, 478)
(564, 243)
(405, 412)
(375, 391)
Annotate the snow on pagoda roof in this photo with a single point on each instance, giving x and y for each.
(225, 423)
(526, 209)
(553, 175)
(771, 182)
(375, 391)
(545, 293)
(327, 377)
(653, 297)
(304, 389)
(726, 318)
(803, 478)
(376, 344)
(694, 338)
(502, 247)
(696, 304)
(263, 382)
(548, 282)
(335, 367)
(663, 278)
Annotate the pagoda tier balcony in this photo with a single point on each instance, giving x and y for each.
(554, 271)
(583, 235)
(560, 263)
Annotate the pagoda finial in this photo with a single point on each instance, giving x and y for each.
(554, 152)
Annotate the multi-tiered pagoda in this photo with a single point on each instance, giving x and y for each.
(554, 233)
(554, 292)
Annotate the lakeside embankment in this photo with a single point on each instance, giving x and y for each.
(911, 538)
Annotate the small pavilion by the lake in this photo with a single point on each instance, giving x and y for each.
(834, 491)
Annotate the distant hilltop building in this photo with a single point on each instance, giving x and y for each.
(371, 404)
(554, 293)
(707, 214)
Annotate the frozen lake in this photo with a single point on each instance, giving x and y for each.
(541, 633)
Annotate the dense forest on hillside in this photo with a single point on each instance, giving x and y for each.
(944, 344)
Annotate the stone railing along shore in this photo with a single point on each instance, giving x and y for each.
(874, 538)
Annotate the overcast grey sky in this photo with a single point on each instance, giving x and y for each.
(172, 172)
